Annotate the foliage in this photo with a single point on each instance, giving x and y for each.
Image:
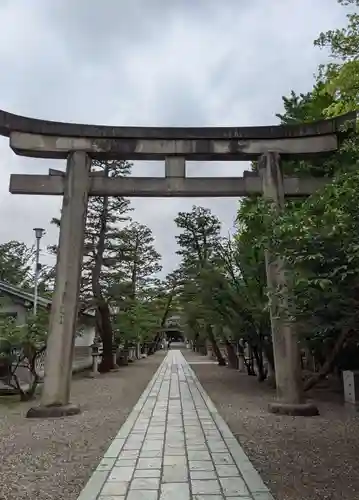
(138, 262)
(317, 237)
(198, 242)
(17, 262)
(134, 285)
(21, 348)
(341, 77)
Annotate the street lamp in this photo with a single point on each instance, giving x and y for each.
(39, 232)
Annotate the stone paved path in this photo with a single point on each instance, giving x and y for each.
(175, 446)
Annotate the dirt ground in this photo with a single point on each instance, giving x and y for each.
(53, 459)
(299, 458)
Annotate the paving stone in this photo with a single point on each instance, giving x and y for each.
(128, 454)
(226, 470)
(155, 432)
(222, 458)
(178, 445)
(126, 462)
(175, 451)
(174, 474)
(198, 455)
(147, 473)
(133, 445)
(210, 497)
(205, 486)
(149, 463)
(151, 445)
(234, 486)
(175, 491)
(151, 454)
(175, 442)
(115, 488)
(145, 483)
(198, 447)
(174, 460)
(200, 465)
(213, 435)
(175, 434)
(203, 474)
(217, 446)
(142, 495)
(121, 474)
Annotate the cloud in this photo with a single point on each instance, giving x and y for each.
(150, 62)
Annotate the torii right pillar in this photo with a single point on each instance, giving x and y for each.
(286, 349)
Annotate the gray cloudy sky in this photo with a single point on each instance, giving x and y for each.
(150, 62)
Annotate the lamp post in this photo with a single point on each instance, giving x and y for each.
(39, 232)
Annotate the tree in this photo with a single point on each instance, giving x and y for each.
(198, 240)
(105, 216)
(20, 347)
(133, 285)
(17, 262)
(341, 77)
(318, 236)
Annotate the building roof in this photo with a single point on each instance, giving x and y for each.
(24, 296)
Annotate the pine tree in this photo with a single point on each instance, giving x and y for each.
(105, 219)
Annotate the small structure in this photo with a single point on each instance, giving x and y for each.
(173, 329)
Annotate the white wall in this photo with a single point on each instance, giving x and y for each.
(18, 309)
(86, 338)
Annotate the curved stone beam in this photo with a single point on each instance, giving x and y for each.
(16, 123)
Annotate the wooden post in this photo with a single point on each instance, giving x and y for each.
(284, 336)
(62, 329)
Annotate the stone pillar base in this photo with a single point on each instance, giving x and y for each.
(94, 374)
(292, 409)
(53, 411)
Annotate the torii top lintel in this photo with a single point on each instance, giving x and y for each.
(50, 139)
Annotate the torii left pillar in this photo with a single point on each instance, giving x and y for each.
(55, 399)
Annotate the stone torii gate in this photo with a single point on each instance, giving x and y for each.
(79, 144)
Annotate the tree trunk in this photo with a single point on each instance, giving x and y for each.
(232, 356)
(259, 362)
(102, 309)
(329, 362)
(216, 350)
(106, 334)
(154, 344)
(309, 360)
(250, 363)
(269, 357)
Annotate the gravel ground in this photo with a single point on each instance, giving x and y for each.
(53, 459)
(299, 458)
